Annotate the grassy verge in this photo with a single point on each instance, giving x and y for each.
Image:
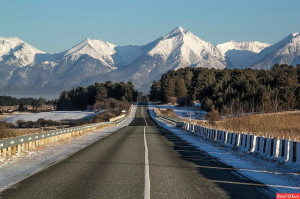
(168, 112)
(282, 125)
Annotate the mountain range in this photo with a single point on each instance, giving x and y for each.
(25, 70)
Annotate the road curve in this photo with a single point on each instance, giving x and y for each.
(114, 167)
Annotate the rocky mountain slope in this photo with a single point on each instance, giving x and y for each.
(25, 70)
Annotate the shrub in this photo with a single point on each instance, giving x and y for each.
(20, 123)
(213, 116)
(172, 100)
(168, 112)
(104, 117)
(182, 101)
(77, 123)
(30, 124)
(112, 105)
(225, 110)
(6, 124)
(5, 130)
(41, 122)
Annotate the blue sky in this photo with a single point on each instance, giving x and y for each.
(57, 25)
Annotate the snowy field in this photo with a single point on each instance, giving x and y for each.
(53, 115)
(16, 170)
(184, 112)
(279, 177)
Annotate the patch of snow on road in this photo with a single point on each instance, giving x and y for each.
(26, 165)
(280, 177)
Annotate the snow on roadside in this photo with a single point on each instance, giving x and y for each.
(182, 111)
(16, 170)
(53, 115)
(279, 177)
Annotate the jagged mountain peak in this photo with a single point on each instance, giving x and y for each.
(289, 44)
(181, 33)
(9, 43)
(182, 48)
(96, 60)
(96, 49)
(177, 31)
(286, 51)
(253, 46)
(291, 38)
(295, 34)
(15, 52)
(97, 45)
(11, 39)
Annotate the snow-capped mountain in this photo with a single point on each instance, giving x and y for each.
(96, 49)
(14, 51)
(253, 46)
(181, 48)
(286, 51)
(108, 54)
(240, 54)
(24, 70)
(178, 49)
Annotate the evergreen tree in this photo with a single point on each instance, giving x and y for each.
(233, 90)
(21, 107)
(155, 91)
(100, 94)
(80, 98)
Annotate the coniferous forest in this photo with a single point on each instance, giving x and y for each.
(232, 90)
(13, 101)
(81, 97)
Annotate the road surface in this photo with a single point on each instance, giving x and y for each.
(141, 160)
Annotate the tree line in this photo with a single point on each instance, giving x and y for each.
(232, 90)
(13, 101)
(81, 98)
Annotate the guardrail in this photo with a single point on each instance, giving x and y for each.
(17, 145)
(285, 151)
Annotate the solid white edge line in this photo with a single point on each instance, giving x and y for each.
(147, 176)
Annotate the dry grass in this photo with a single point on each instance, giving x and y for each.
(168, 112)
(14, 132)
(8, 132)
(282, 125)
(200, 122)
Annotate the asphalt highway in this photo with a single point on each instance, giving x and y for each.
(141, 160)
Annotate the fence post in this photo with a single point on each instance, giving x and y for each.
(8, 152)
(284, 149)
(4, 154)
(14, 150)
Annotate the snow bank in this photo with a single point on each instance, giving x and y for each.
(281, 178)
(53, 115)
(21, 167)
(183, 112)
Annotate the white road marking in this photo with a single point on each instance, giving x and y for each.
(254, 184)
(147, 176)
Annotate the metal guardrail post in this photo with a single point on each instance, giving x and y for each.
(291, 152)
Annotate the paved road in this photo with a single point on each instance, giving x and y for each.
(114, 167)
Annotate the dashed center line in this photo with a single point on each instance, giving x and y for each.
(147, 176)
